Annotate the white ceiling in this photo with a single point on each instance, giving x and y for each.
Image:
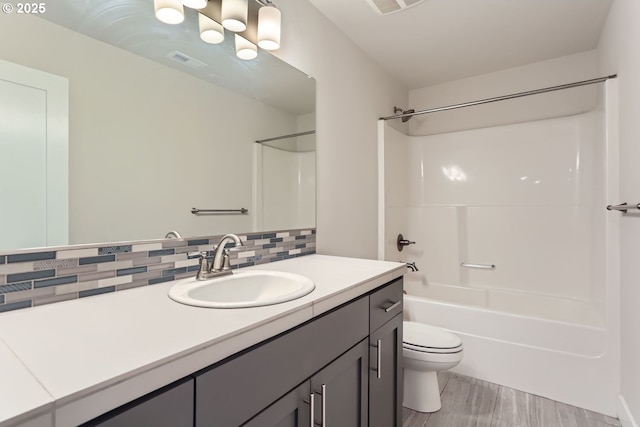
(443, 40)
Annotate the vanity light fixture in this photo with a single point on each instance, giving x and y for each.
(235, 14)
(245, 49)
(195, 4)
(254, 22)
(210, 30)
(269, 20)
(169, 11)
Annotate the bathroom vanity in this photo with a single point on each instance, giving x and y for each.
(332, 357)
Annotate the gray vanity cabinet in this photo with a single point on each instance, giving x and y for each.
(171, 406)
(340, 369)
(385, 357)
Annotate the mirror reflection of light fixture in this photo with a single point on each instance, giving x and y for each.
(195, 4)
(169, 11)
(269, 18)
(245, 49)
(235, 14)
(257, 22)
(210, 30)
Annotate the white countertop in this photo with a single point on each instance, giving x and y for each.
(81, 358)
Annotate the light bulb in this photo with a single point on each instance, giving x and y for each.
(234, 15)
(169, 11)
(210, 30)
(269, 19)
(245, 49)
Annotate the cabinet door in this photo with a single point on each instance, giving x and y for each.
(341, 390)
(385, 375)
(292, 410)
(171, 406)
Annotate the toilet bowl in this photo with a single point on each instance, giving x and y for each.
(426, 350)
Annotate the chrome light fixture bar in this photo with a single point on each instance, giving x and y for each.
(253, 22)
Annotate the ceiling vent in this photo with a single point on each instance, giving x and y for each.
(186, 60)
(384, 7)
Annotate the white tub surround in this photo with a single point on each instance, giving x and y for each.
(517, 253)
(94, 354)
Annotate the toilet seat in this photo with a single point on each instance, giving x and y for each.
(428, 339)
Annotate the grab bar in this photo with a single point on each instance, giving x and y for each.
(478, 266)
(197, 211)
(623, 207)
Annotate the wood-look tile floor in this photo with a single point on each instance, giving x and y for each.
(468, 402)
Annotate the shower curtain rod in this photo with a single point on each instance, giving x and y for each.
(293, 135)
(503, 97)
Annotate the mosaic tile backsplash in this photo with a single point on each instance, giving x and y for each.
(48, 276)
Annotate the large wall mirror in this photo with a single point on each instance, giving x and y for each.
(159, 123)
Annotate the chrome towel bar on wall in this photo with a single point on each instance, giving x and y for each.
(197, 211)
(623, 207)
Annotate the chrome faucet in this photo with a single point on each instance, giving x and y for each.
(221, 257)
(412, 266)
(221, 264)
(173, 235)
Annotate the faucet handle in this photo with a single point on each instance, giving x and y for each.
(197, 254)
(203, 271)
(226, 263)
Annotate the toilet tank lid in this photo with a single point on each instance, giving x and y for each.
(428, 336)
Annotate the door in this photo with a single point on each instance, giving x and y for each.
(33, 158)
(341, 390)
(385, 375)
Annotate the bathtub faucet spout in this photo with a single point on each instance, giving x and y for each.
(412, 266)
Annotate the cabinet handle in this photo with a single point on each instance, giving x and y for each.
(312, 409)
(379, 359)
(324, 405)
(392, 306)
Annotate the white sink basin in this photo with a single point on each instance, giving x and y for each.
(252, 288)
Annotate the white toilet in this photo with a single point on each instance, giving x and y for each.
(426, 350)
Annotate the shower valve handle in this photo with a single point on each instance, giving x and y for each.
(401, 242)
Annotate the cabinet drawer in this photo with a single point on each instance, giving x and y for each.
(385, 303)
(233, 392)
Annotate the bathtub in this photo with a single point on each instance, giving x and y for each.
(567, 362)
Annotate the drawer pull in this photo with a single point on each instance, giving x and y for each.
(392, 306)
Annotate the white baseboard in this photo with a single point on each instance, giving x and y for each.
(624, 414)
